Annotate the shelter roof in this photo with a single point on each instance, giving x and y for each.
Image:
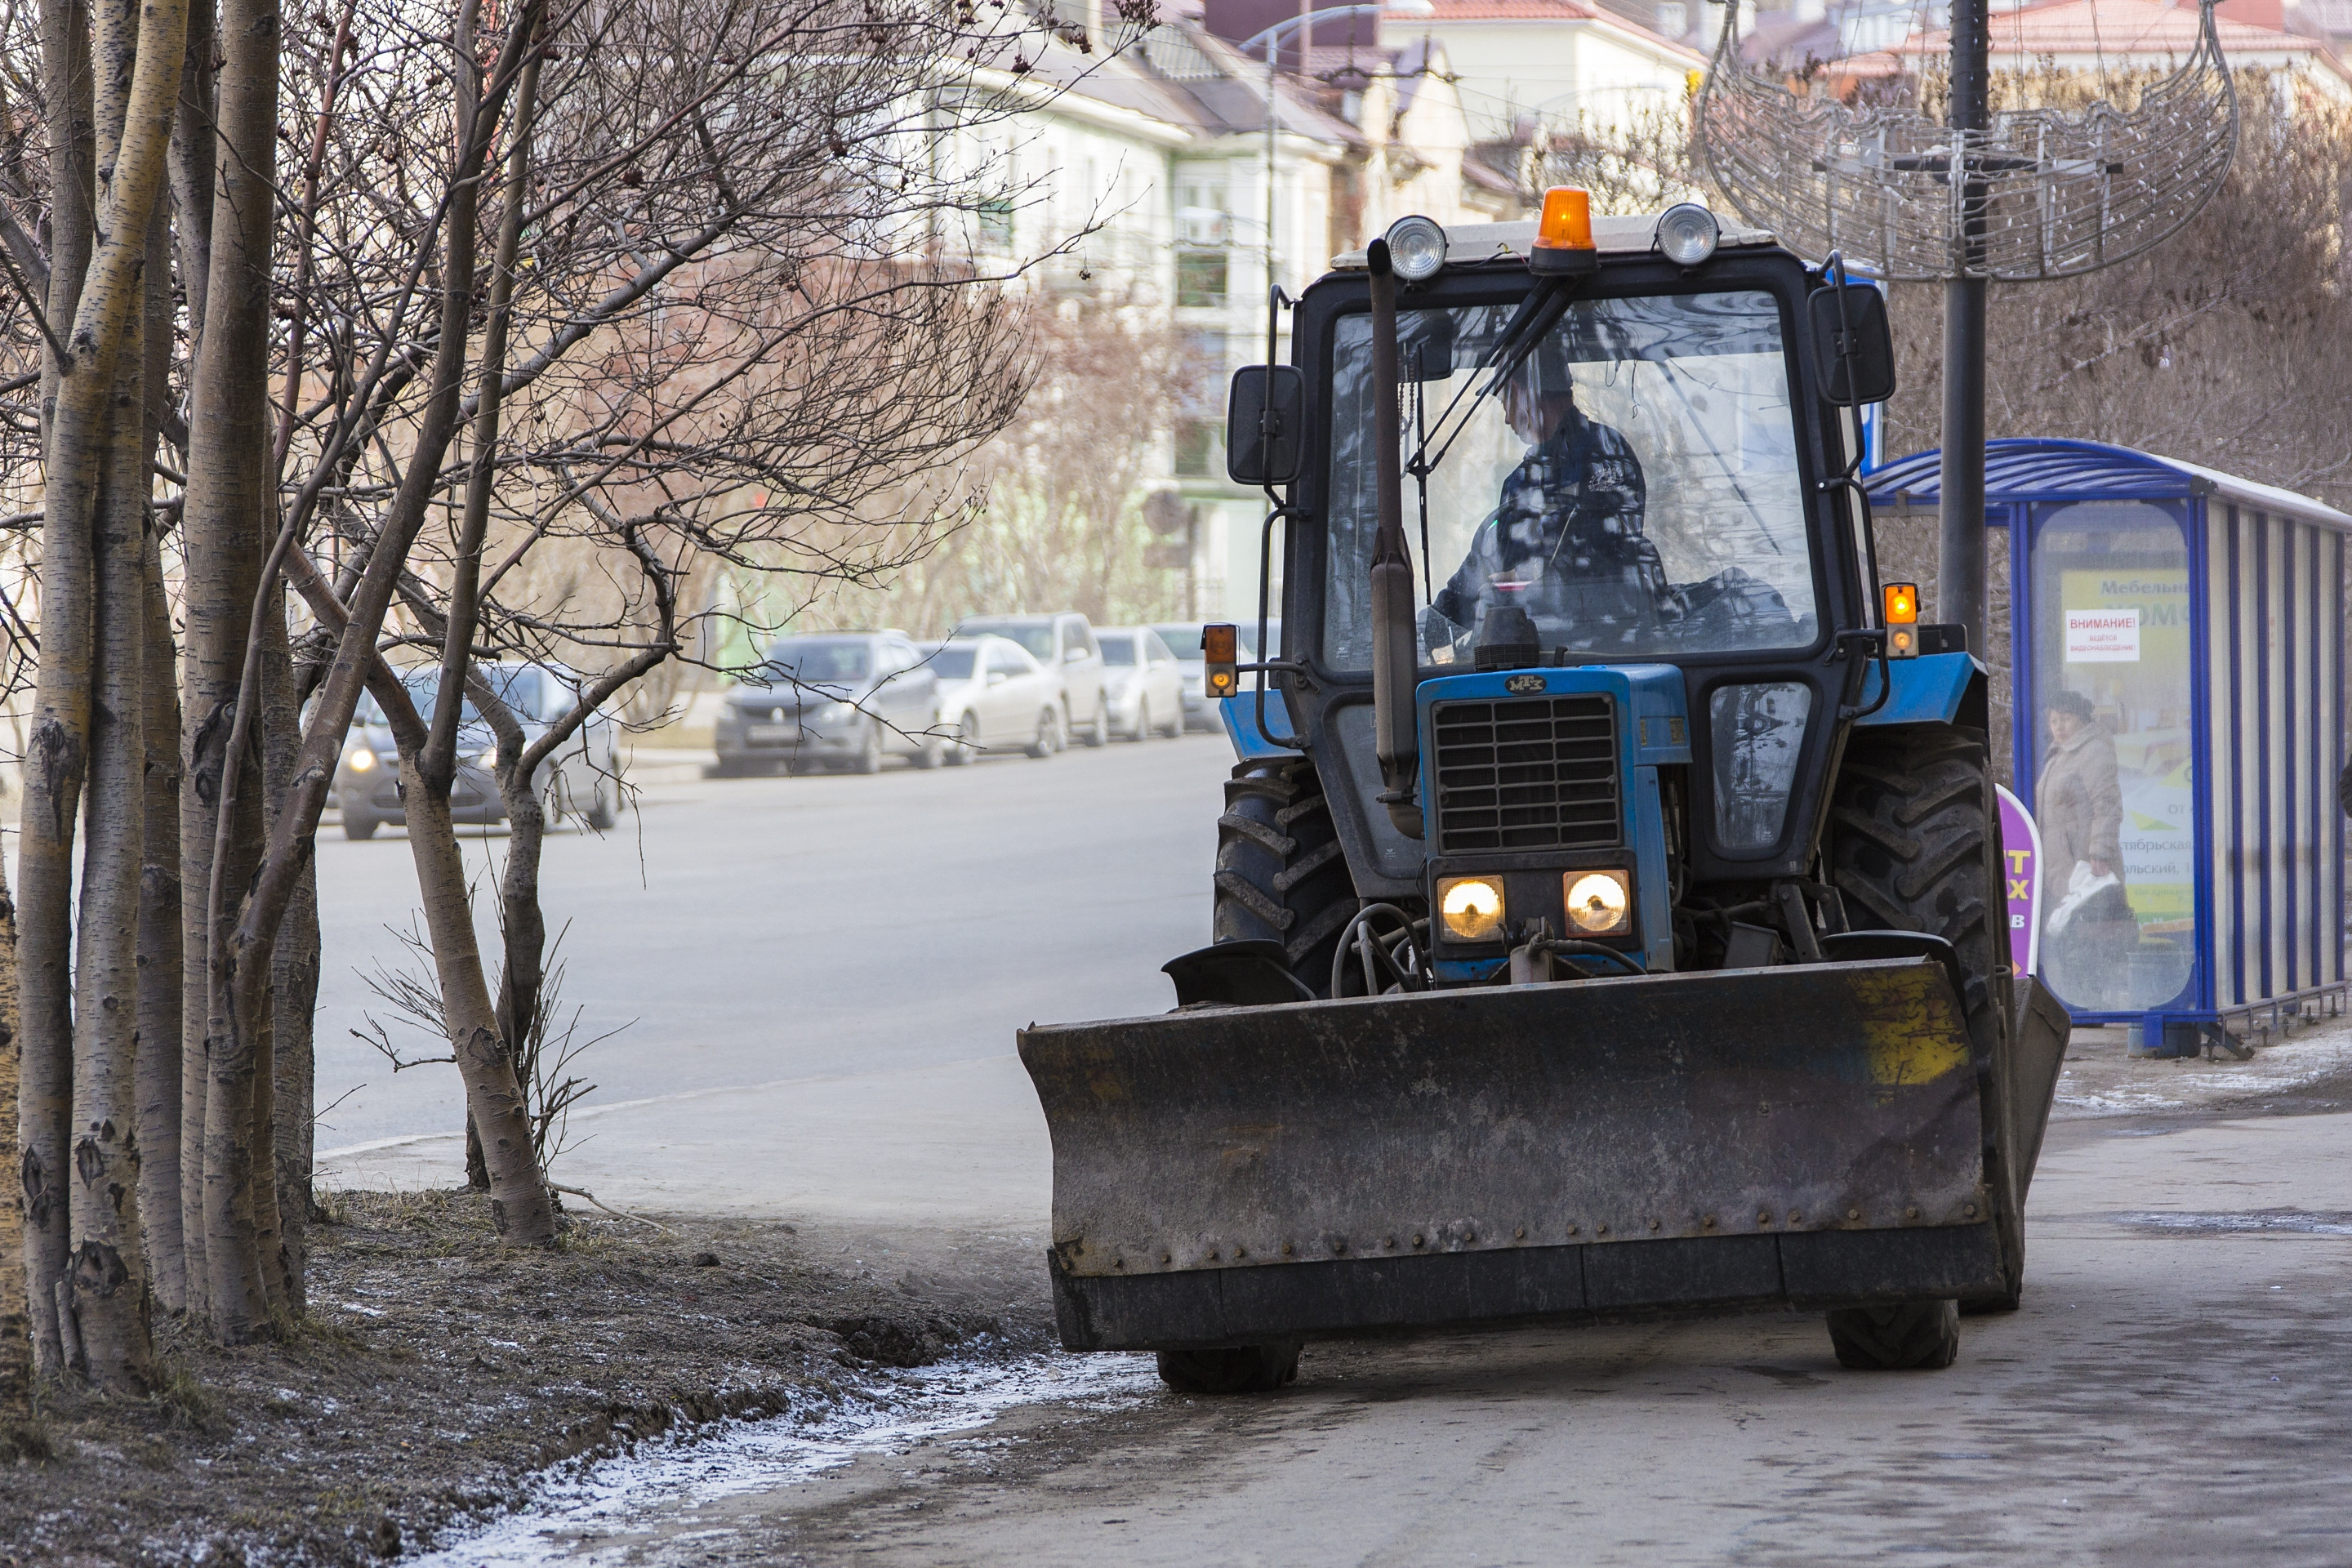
(2028, 468)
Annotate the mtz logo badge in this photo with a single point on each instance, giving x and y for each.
(1524, 685)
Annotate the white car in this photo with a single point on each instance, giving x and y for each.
(993, 694)
(1183, 640)
(1065, 644)
(1143, 683)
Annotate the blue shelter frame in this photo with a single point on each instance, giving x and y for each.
(2247, 912)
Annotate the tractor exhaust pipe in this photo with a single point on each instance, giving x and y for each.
(1394, 662)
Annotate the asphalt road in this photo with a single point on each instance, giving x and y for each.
(816, 980)
(826, 974)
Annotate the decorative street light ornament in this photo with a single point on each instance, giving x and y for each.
(2044, 193)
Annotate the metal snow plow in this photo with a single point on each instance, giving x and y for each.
(1812, 1135)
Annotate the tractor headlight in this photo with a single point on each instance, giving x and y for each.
(360, 760)
(1470, 907)
(1416, 247)
(1600, 903)
(1687, 234)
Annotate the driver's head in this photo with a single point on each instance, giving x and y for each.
(1537, 404)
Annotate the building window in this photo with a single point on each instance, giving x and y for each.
(996, 225)
(1200, 278)
(1197, 443)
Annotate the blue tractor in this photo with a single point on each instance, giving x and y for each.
(1609, 908)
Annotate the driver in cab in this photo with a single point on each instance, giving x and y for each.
(1565, 544)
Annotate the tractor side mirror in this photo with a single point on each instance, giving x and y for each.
(1266, 419)
(1853, 347)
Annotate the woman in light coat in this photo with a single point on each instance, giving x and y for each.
(2078, 805)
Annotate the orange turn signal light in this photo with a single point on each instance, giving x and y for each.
(1564, 232)
(1220, 652)
(1902, 600)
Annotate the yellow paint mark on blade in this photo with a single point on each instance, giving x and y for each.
(1911, 1023)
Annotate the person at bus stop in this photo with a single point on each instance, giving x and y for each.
(2090, 930)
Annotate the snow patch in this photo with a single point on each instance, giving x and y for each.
(601, 1504)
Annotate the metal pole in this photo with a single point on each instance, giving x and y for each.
(1960, 570)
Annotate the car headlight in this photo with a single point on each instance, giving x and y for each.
(359, 759)
(1416, 247)
(1470, 907)
(1687, 234)
(1600, 903)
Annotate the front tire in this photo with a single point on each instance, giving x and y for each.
(1917, 1336)
(1238, 1369)
(1281, 875)
(869, 755)
(965, 749)
(1916, 846)
(1049, 736)
(1099, 733)
(356, 826)
(604, 806)
(1142, 730)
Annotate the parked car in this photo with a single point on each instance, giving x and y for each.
(1066, 644)
(992, 693)
(836, 700)
(581, 779)
(1183, 639)
(1143, 682)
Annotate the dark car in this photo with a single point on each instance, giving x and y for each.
(581, 779)
(834, 699)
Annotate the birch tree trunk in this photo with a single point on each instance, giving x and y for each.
(228, 511)
(94, 442)
(160, 951)
(294, 986)
(16, 1323)
(57, 740)
(111, 1303)
(520, 1205)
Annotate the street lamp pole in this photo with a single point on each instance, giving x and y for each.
(1271, 40)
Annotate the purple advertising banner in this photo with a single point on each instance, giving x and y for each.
(2021, 876)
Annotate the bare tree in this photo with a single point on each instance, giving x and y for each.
(1062, 525)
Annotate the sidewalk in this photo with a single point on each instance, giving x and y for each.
(2312, 1063)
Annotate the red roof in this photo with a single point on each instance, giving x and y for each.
(2119, 29)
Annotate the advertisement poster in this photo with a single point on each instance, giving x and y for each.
(2125, 641)
(2021, 876)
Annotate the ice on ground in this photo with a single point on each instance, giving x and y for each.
(2099, 1079)
(599, 1506)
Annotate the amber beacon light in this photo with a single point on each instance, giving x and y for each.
(1902, 604)
(1564, 234)
(1220, 653)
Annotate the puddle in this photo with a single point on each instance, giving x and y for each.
(603, 1506)
(2242, 1222)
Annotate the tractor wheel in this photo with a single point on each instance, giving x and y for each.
(1241, 1369)
(1917, 1336)
(1281, 876)
(1916, 846)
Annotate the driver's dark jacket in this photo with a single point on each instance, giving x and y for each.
(1574, 507)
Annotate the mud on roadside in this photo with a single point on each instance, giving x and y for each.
(437, 1370)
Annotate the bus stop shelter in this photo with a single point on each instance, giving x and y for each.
(2174, 661)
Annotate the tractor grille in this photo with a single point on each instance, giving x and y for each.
(1527, 773)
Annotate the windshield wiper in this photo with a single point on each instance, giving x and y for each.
(1536, 316)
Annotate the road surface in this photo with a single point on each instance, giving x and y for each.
(826, 975)
(819, 977)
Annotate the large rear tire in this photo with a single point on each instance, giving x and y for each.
(1239, 1368)
(1916, 846)
(1917, 1336)
(1281, 876)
